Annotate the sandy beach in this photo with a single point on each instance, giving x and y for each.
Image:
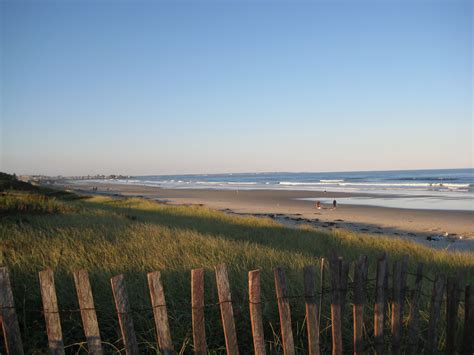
(428, 227)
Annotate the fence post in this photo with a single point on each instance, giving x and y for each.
(227, 313)
(335, 266)
(436, 300)
(256, 312)
(452, 306)
(124, 315)
(468, 339)
(197, 301)
(51, 312)
(160, 313)
(360, 279)
(379, 307)
(88, 314)
(9, 320)
(414, 318)
(284, 310)
(312, 320)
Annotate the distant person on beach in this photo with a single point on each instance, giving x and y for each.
(318, 205)
(334, 204)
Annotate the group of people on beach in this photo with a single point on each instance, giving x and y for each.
(334, 205)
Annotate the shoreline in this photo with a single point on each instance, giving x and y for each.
(286, 207)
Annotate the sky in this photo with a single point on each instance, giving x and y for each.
(174, 87)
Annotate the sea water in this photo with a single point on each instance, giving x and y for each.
(451, 189)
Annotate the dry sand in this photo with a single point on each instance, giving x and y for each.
(416, 225)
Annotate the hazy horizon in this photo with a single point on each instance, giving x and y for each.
(200, 87)
(248, 172)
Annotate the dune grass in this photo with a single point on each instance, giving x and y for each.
(108, 236)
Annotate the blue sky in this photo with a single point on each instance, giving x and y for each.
(157, 87)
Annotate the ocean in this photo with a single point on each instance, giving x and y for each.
(432, 189)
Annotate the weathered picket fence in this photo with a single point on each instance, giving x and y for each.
(339, 270)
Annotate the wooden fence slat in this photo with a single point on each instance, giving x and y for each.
(344, 279)
(396, 306)
(284, 311)
(312, 312)
(379, 306)
(321, 289)
(88, 314)
(227, 312)
(160, 313)
(197, 301)
(9, 320)
(256, 312)
(124, 314)
(403, 289)
(335, 266)
(360, 280)
(435, 307)
(400, 269)
(414, 318)
(468, 339)
(51, 312)
(387, 304)
(452, 308)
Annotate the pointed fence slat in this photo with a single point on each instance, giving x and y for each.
(197, 301)
(8, 317)
(335, 266)
(124, 314)
(435, 308)
(452, 307)
(88, 314)
(255, 307)
(379, 307)
(468, 339)
(227, 312)
(312, 312)
(160, 313)
(360, 280)
(414, 318)
(51, 312)
(284, 311)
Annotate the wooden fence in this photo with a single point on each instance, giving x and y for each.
(442, 289)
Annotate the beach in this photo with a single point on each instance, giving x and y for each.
(443, 229)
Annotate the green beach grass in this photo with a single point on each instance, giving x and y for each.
(43, 228)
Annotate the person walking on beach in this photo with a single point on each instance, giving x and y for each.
(334, 204)
(318, 205)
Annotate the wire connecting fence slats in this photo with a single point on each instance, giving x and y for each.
(448, 299)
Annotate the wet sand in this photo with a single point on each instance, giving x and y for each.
(284, 206)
